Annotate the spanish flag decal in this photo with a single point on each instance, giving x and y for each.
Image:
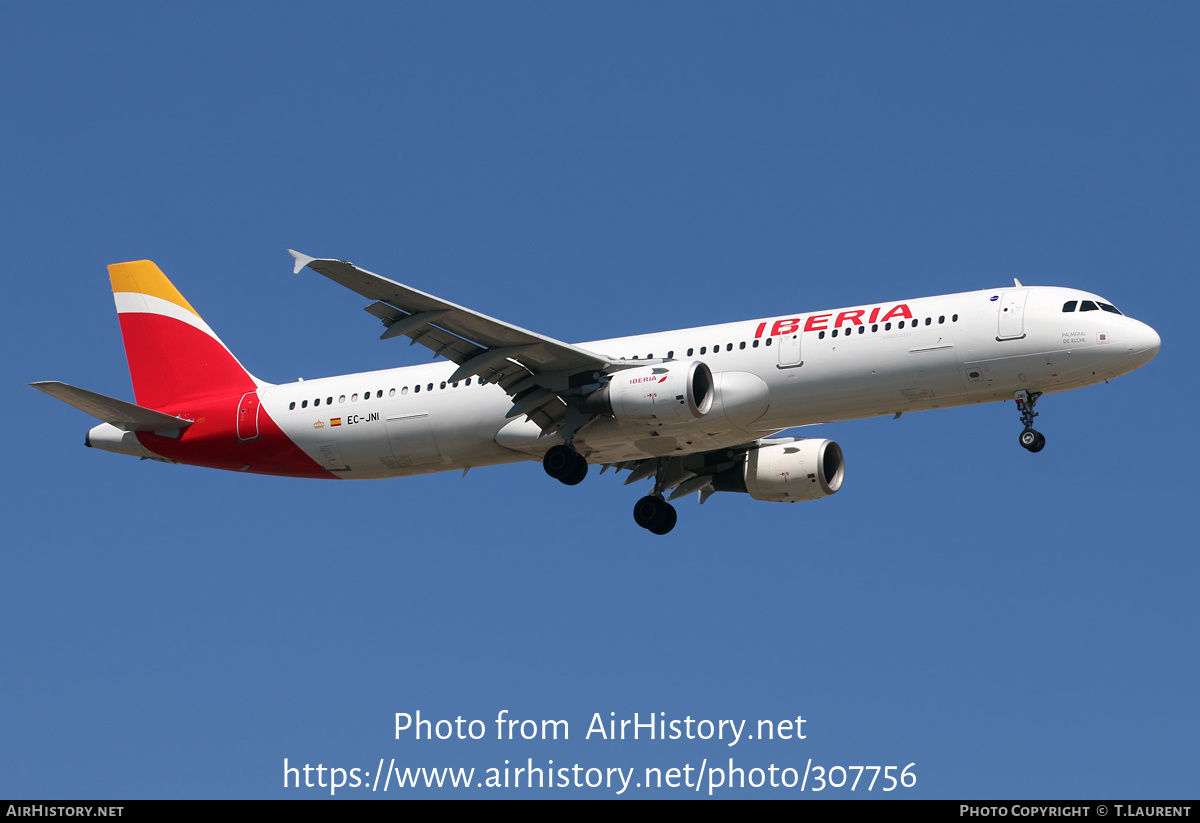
(335, 421)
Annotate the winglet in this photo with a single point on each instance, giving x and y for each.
(302, 260)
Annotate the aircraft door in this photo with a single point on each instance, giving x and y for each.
(934, 372)
(247, 417)
(1011, 322)
(411, 438)
(789, 350)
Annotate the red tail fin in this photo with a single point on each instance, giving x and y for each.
(173, 355)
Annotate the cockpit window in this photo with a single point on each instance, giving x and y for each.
(1109, 307)
(1088, 305)
(1070, 305)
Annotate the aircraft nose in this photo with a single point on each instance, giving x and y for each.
(1144, 343)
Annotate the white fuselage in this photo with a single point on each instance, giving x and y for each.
(770, 374)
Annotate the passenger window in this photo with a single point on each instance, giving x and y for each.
(404, 390)
(768, 342)
(728, 347)
(292, 406)
(328, 401)
(342, 399)
(1088, 305)
(874, 327)
(755, 344)
(742, 345)
(670, 355)
(468, 381)
(379, 394)
(417, 388)
(862, 329)
(835, 331)
(443, 386)
(887, 326)
(703, 349)
(941, 319)
(928, 320)
(690, 352)
(391, 392)
(304, 405)
(820, 335)
(317, 402)
(954, 319)
(429, 387)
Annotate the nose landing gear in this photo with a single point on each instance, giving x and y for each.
(1030, 439)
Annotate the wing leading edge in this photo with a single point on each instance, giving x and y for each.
(536, 371)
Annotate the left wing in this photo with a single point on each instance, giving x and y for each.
(536, 371)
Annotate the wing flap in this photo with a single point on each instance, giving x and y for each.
(540, 353)
(514, 358)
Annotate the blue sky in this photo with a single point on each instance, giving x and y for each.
(1015, 625)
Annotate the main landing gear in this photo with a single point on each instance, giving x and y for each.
(565, 465)
(652, 512)
(1030, 439)
(655, 514)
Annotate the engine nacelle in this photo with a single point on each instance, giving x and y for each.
(787, 472)
(656, 395)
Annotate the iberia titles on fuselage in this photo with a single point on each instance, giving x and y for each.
(696, 410)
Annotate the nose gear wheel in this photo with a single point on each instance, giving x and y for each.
(1030, 439)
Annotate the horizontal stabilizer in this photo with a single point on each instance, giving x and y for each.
(125, 416)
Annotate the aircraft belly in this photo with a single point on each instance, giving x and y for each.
(610, 441)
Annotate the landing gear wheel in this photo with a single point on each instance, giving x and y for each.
(577, 473)
(565, 465)
(669, 523)
(1032, 440)
(655, 514)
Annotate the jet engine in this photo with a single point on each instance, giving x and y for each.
(655, 395)
(787, 472)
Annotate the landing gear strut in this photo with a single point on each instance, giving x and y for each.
(565, 465)
(1030, 439)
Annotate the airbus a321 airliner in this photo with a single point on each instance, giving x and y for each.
(697, 410)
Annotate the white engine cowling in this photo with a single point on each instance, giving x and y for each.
(659, 395)
(787, 472)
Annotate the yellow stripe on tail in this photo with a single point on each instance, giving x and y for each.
(144, 277)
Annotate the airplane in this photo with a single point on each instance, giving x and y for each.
(698, 410)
